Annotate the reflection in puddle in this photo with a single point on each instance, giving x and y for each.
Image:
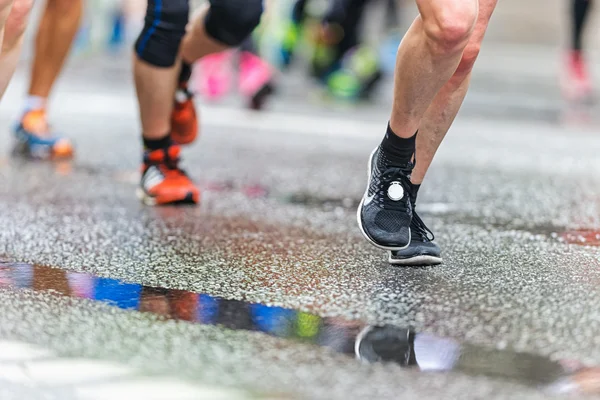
(251, 190)
(371, 344)
(584, 237)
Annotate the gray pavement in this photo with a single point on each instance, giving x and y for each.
(513, 202)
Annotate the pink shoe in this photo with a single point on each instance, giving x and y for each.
(577, 83)
(255, 80)
(212, 75)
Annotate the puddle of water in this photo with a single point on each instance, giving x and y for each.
(580, 237)
(310, 200)
(370, 344)
(584, 237)
(251, 190)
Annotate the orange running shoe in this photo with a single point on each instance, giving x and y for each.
(35, 139)
(163, 182)
(184, 120)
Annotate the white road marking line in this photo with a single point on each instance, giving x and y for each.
(94, 379)
(65, 371)
(117, 106)
(153, 389)
(14, 373)
(13, 351)
(344, 125)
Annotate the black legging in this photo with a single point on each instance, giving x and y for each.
(579, 13)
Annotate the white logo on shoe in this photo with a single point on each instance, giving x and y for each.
(368, 199)
(395, 191)
(152, 177)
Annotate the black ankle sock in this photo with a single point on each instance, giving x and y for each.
(397, 151)
(156, 144)
(185, 73)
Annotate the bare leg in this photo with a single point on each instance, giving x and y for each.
(196, 43)
(155, 89)
(441, 113)
(13, 30)
(428, 57)
(156, 86)
(5, 7)
(56, 32)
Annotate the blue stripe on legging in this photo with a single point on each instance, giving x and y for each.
(150, 31)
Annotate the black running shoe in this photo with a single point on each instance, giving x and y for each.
(385, 344)
(385, 211)
(422, 250)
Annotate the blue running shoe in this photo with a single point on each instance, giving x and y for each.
(44, 145)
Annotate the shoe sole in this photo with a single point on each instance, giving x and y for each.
(423, 260)
(359, 219)
(151, 201)
(359, 338)
(27, 155)
(144, 198)
(23, 150)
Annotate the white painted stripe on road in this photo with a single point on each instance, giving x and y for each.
(12, 351)
(95, 106)
(14, 373)
(65, 371)
(94, 379)
(153, 389)
(298, 124)
(115, 106)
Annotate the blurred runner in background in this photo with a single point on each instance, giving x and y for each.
(165, 51)
(56, 31)
(341, 59)
(255, 76)
(14, 15)
(577, 84)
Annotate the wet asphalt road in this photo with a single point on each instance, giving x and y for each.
(514, 204)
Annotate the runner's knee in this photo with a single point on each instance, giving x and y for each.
(449, 23)
(471, 52)
(468, 59)
(16, 23)
(231, 21)
(164, 28)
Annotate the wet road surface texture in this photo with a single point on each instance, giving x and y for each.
(267, 290)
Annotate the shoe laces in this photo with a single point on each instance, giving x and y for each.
(420, 230)
(395, 174)
(168, 163)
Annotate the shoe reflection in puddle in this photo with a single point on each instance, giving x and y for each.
(430, 353)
